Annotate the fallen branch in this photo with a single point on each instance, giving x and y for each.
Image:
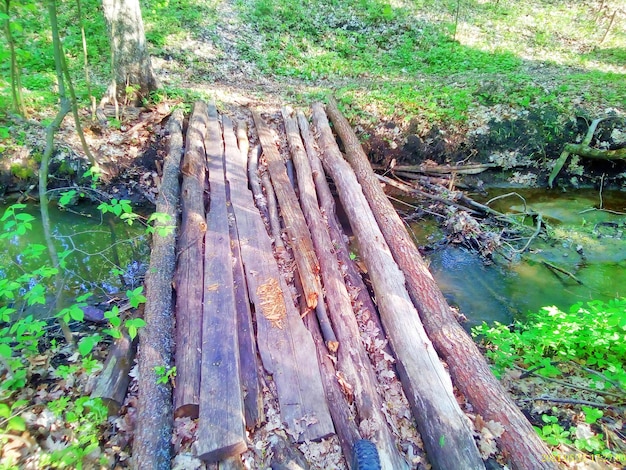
(584, 149)
(554, 267)
(571, 401)
(470, 169)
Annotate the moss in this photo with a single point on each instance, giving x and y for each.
(22, 172)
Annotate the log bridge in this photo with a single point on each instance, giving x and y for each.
(252, 294)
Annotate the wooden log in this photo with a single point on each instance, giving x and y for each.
(286, 348)
(112, 383)
(189, 272)
(363, 301)
(342, 413)
(221, 431)
(353, 361)
(254, 179)
(466, 364)
(272, 211)
(295, 224)
(252, 392)
(154, 426)
(445, 430)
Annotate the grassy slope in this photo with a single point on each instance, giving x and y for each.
(401, 58)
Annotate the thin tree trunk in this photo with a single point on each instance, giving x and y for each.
(467, 366)
(131, 65)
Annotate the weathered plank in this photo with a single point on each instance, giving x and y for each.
(153, 433)
(221, 431)
(352, 357)
(252, 393)
(445, 430)
(286, 348)
(189, 276)
(468, 367)
(293, 218)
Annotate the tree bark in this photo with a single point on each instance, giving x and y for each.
(467, 366)
(299, 236)
(445, 430)
(353, 362)
(189, 270)
(129, 54)
(153, 431)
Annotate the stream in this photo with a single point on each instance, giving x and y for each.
(588, 243)
(103, 256)
(106, 256)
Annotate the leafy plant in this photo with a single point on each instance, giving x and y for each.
(83, 418)
(552, 432)
(592, 335)
(165, 374)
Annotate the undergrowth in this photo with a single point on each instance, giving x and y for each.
(583, 351)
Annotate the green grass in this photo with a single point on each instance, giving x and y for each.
(406, 59)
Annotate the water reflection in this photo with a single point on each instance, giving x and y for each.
(587, 243)
(101, 255)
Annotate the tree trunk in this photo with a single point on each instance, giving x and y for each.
(129, 54)
(189, 269)
(467, 366)
(445, 430)
(153, 431)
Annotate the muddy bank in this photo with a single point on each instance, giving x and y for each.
(130, 152)
(522, 144)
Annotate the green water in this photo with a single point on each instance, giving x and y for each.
(589, 244)
(104, 256)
